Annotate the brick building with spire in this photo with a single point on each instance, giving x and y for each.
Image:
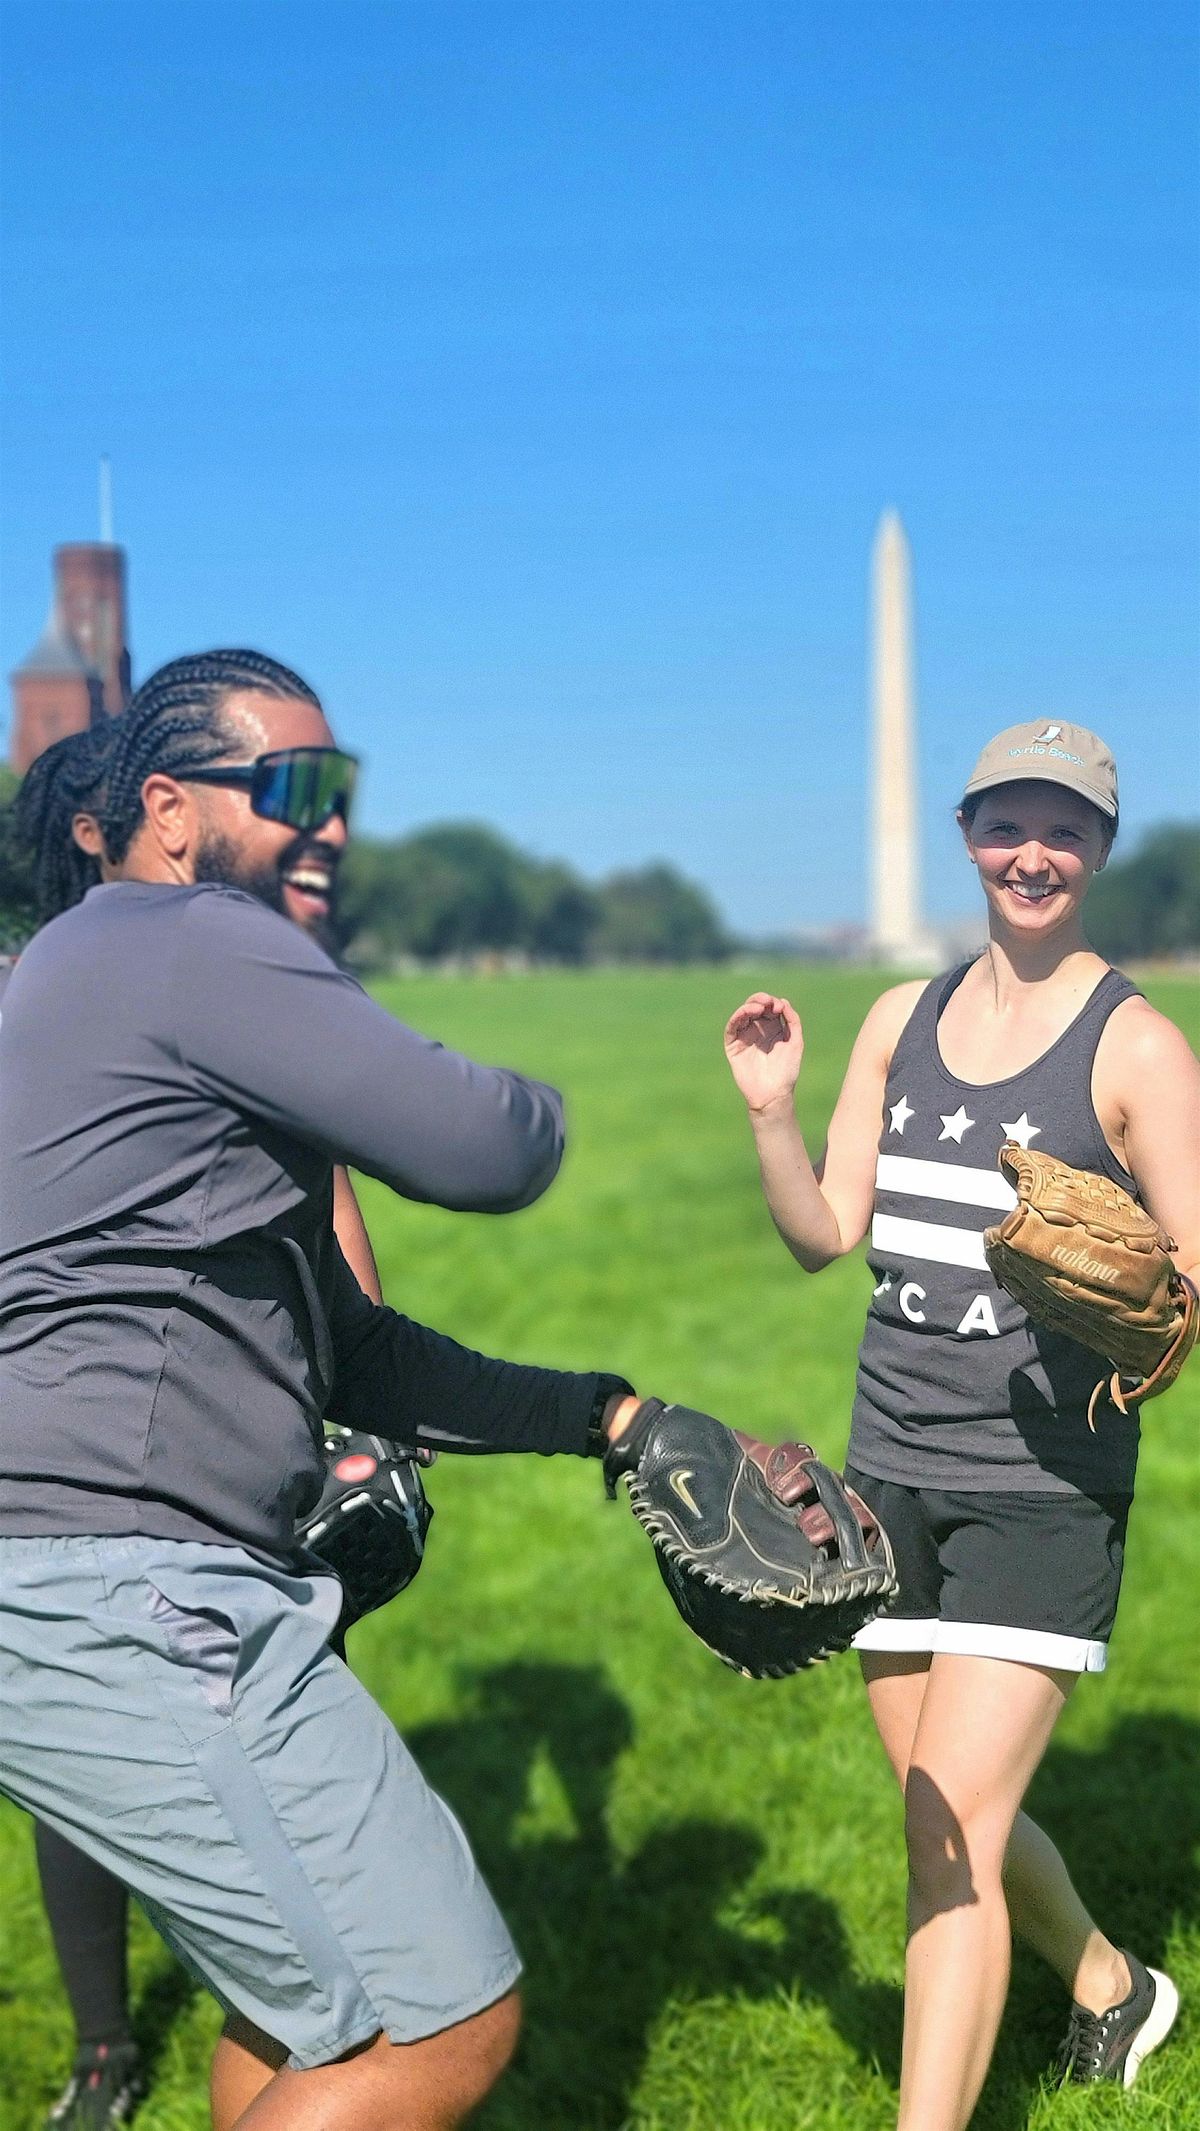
(79, 670)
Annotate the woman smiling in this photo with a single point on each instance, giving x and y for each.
(970, 1436)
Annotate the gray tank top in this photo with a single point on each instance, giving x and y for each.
(957, 1387)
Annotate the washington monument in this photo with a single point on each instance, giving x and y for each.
(897, 933)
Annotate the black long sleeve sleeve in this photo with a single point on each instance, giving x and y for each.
(402, 1380)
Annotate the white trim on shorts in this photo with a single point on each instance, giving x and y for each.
(959, 1638)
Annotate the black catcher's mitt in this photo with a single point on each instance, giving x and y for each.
(370, 1523)
(771, 1559)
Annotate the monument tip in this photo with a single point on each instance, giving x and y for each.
(106, 501)
(890, 529)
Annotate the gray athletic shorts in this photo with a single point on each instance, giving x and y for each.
(175, 1710)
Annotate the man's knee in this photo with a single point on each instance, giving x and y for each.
(464, 2062)
(497, 2030)
(438, 2081)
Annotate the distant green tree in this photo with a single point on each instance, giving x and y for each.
(561, 913)
(655, 915)
(1149, 903)
(451, 889)
(18, 914)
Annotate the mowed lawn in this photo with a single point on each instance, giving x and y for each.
(705, 1874)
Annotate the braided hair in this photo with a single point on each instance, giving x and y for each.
(67, 779)
(174, 724)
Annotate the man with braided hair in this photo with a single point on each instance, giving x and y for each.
(186, 718)
(57, 816)
(178, 1073)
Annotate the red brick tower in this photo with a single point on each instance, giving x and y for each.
(89, 585)
(79, 668)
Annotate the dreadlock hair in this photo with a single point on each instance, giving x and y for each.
(174, 724)
(67, 779)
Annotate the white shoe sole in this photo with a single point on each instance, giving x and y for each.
(1156, 2027)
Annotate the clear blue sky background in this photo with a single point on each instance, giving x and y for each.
(532, 377)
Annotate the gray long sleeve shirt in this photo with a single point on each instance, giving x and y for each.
(179, 1070)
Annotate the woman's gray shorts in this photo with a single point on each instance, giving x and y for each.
(175, 1710)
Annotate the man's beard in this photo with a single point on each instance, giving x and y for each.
(219, 859)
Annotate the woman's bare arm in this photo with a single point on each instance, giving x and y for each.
(351, 1232)
(821, 1211)
(1148, 1075)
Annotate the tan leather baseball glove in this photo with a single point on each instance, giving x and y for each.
(1086, 1260)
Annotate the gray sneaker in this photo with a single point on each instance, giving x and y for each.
(1114, 2044)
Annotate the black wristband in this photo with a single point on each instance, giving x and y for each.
(607, 1387)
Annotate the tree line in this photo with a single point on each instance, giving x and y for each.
(461, 889)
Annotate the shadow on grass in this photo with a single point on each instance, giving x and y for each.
(608, 1941)
(165, 1998)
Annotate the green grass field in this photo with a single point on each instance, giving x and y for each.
(705, 1874)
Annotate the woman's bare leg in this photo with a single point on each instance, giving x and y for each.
(1047, 1913)
(895, 1682)
(984, 1725)
(1044, 1908)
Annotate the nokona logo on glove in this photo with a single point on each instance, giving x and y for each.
(1079, 1261)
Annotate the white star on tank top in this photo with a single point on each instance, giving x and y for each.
(1021, 1130)
(954, 1127)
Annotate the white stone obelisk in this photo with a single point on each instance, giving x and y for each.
(897, 934)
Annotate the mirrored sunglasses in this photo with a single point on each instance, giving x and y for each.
(301, 787)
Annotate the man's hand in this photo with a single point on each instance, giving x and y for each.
(764, 1044)
(619, 1412)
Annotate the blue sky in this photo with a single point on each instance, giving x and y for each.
(532, 377)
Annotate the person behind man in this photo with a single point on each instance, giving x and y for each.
(179, 1072)
(87, 1907)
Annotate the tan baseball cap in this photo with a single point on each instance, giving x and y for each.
(1059, 754)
